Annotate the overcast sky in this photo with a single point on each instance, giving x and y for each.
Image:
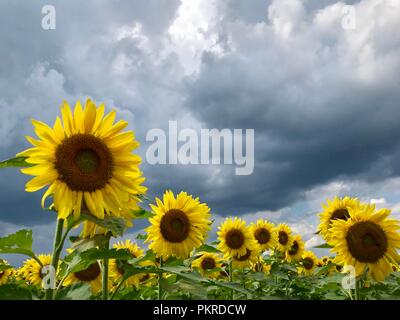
(323, 99)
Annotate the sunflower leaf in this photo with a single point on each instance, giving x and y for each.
(4, 267)
(18, 243)
(141, 214)
(77, 291)
(14, 292)
(114, 224)
(207, 248)
(323, 246)
(15, 162)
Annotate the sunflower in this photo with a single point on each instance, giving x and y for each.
(31, 271)
(246, 260)
(367, 241)
(117, 267)
(178, 226)
(236, 239)
(87, 162)
(395, 267)
(206, 263)
(265, 234)
(308, 263)
(296, 250)
(91, 275)
(261, 266)
(6, 274)
(284, 237)
(336, 209)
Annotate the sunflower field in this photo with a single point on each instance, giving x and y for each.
(95, 190)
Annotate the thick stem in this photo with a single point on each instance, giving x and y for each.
(105, 273)
(56, 253)
(160, 293)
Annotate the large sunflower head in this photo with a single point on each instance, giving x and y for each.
(32, 272)
(308, 263)
(284, 237)
(178, 226)
(367, 241)
(207, 263)
(336, 209)
(236, 239)
(91, 275)
(86, 161)
(117, 267)
(264, 233)
(296, 250)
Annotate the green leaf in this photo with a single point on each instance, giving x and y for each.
(141, 214)
(78, 261)
(114, 224)
(19, 243)
(207, 248)
(4, 267)
(323, 246)
(84, 244)
(15, 162)
(14, 292)
(141, 236)
(77, 291)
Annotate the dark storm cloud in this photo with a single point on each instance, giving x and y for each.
(323, 101)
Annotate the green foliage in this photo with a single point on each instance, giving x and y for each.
(19, 242)
(15, 162)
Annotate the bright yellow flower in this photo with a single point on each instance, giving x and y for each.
(6, 274)
(296, 250)
(87, 162)
(91, 275)
(284, 237)
(308, 263)
(367, 241)
(179, 225)
(264, 233)
(261, 266)
(32, 272)
(236, 239)
(206, 263)
(336, 209)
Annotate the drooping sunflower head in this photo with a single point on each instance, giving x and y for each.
(179, 225)
(32, 272)
(336, 209)
(117, 270)
(90, 275)
(296, 250)
(261, 266)
(308, 263)
(236, 239)
(284, 237)
(246, 260)
(264, 233)
(367, 241)
(207, 263)
(87, 162)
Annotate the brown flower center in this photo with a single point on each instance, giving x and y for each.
(208, 263)
(145, 277)
(367, 242)
(234, 239)
(283, 238)
(340, 214)
(244, 257)
(262, 235)
(175, 226)
(1, 274)
(308, 263)
(84, 162)
(294, 249)
(89, 274)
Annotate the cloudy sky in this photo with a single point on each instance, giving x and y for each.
(322, 97)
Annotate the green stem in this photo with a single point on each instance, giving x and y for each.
(231, 278)
(160, 293)
(117, 289)
(56, 254)
(105, 273)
